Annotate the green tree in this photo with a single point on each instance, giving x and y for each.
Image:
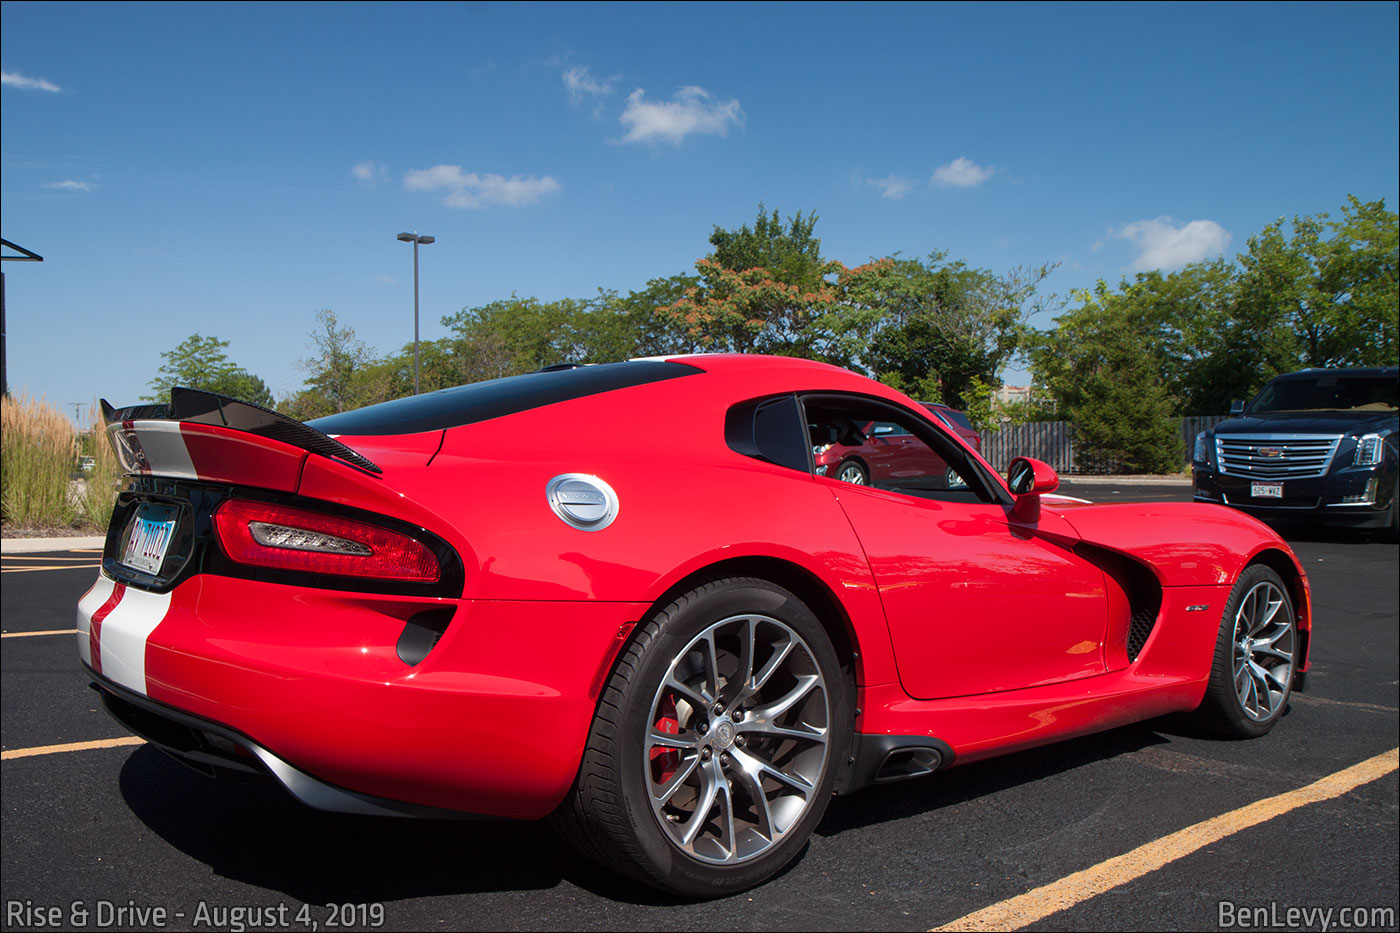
(337, 356)
(762, 289)
(200, 363)
(942, 327)
(1103, 366)
(1332, 284)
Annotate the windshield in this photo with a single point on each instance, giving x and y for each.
(1328, 392)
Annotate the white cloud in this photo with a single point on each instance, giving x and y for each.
(470, 190)
(961, 173)
(69, 184)
(15, 79)
(369, 172)
(692, 110)
(892, 187)
(580, 83)
(1165, 245)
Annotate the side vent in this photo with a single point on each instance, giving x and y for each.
(1139, 587)
(421, 634)
(1147, 604)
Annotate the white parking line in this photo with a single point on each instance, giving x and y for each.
(1025, 909)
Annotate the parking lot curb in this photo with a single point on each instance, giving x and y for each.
(1169, 479)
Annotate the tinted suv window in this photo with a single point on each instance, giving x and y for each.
(480, 401)
(1328, 392)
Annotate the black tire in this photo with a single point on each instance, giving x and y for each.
(762, 755)
(1256, 656)
(852, 471)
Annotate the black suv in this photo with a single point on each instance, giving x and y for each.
(1319, 444)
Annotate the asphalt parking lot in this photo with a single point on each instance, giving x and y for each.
(1148, 827)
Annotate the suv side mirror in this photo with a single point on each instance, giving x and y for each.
(1237, 407)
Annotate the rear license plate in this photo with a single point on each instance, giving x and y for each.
(1266, 490)
(150, 536)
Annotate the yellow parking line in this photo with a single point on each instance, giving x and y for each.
(70, 747)
(1025, 909)
(55, 631)
(58, 567)
(43, 557)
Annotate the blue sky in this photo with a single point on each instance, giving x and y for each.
(229, 169)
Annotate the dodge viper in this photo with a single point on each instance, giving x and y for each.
(622, 598)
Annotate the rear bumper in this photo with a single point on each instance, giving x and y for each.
(217, 751)
(492, 721)
(1354, 497)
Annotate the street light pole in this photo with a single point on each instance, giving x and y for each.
(415, 239)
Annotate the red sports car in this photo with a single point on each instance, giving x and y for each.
(675, 642)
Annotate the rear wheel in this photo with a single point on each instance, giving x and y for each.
(716, 743)
(1255, 657)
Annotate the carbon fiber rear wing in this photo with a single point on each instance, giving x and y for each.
(196, 406)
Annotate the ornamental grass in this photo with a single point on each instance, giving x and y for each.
(38, 453)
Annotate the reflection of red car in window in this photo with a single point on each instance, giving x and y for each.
(884, 453)
(957, 423)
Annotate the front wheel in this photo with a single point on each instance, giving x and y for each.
(716, 743)
(1256, 655)
(854, 472)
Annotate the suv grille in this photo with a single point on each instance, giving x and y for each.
(1277, 456)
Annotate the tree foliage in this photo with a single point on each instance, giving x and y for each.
(1331, 284)
(1103, 365)
(200, 362)
(333, 381)
(763, 289)
(1312, 292)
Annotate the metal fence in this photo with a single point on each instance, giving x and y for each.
(1053, 442)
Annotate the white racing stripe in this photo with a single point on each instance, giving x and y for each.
(92, 601)
(163, 445)
(123, 636)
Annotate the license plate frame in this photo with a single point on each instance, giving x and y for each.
(1266, 490)
(149, 536)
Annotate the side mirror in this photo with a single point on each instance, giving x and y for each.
(1237, 407)
(1027, 477)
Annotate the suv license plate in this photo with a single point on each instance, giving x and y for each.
(1266, 490)
(150, 537)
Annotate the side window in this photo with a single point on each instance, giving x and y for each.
(769, 429)
(870, 442)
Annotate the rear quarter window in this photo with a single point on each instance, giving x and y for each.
(481, 401)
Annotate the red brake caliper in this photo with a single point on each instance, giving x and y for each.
(665, 761)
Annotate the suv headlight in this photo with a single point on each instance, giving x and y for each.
(1369, 449)
(1201, 452)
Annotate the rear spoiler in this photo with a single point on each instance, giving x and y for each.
(195, 406)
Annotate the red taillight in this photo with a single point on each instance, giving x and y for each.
(285, 538)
